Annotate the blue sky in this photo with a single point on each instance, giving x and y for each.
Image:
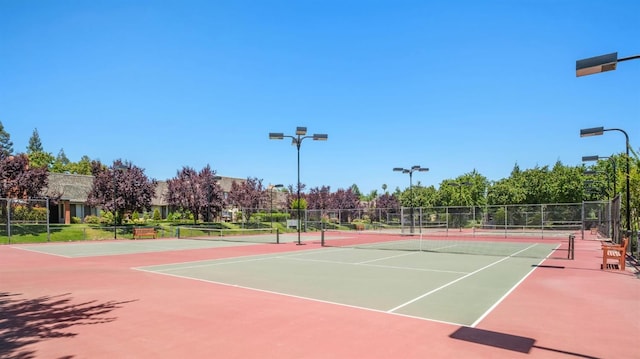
(450, 85)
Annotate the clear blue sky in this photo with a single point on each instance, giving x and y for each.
(450, 85)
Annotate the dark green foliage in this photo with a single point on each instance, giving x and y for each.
(6, 146)
(35, 145)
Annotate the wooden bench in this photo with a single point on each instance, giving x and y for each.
(144, 232)
(616, 252)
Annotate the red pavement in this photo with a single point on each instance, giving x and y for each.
(99, 307)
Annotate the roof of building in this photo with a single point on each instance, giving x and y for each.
(71, 187)
(76, 188)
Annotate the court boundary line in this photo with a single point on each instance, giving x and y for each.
(457, 280)
(299, 297)
(267, 255)
(391, 311)
(40, 252)
(495, 305)
(135, 244)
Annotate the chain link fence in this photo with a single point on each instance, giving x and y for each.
(28, 220)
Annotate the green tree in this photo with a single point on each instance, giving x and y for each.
(61, 164)
(6, 146)
(41, 159)
(356, 190)
(303, 203)
(35, 145)
(82, 167)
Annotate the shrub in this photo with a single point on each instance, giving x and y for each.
(156, 215)
(76, 220)
(91, 220)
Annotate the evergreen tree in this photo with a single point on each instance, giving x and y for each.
(61, 163)
(6, 146)
(35, 145)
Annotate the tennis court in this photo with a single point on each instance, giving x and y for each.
(167, 298)
(424, 285)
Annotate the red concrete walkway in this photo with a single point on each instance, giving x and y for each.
(99, 307)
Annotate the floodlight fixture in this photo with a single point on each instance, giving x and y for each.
(594, 131)
(598, 64)
(590, 158)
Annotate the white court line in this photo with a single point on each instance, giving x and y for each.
(374, 265)
(299, 297)
(41, 252)
(510, 291)
(455, 281)
(222, 261)
(383, 258)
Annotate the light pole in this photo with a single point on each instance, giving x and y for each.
(460, 185)
(597, 131)
(598, 64)
(410, 172)
(271, 200)
(296, 140)
(116, 167)
(613, 164)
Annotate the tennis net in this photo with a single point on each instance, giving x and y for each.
(251, 235)
(525, 246)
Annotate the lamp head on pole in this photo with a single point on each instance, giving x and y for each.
(276, 135)
(301, 131)
(597, 64)
(594, 131)
(590, 158)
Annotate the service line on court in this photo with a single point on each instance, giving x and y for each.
(456, 280)
(366, 263)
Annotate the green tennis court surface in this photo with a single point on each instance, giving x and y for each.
(453, 288)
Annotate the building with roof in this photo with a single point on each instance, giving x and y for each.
(73, 191)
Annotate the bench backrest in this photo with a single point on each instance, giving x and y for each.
(625, 243)
(144, 230)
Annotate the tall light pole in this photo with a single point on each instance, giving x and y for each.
(296, 140)
(271, 187)
(460, 185)
(116, 167)
(597, 131)
(598, 64)
(410, 171)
